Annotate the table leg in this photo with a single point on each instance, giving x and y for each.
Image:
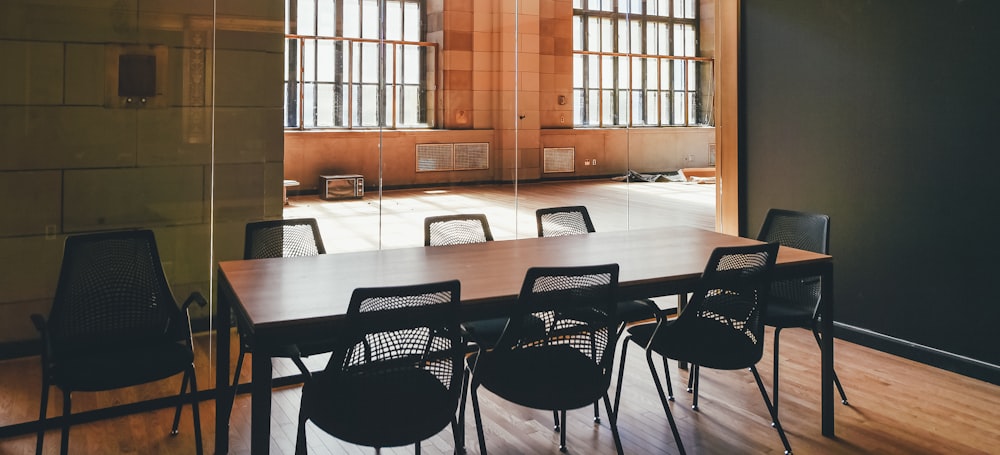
(223, 393)
(826, 327)
(260, 404)
(682, 301)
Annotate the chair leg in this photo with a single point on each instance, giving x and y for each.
(300, 434)
(457, 434)
(774, 376)
(670, 385)
(416, 448)
(479, 420)
(696, 372)
(836, 380)
(555, 418)
(562, 434)
(195, 414)
(663, 401)
(771, 410)
(597, 413)
(41, 418)
(180, 404)
(613, 420)
(460, 428)
(621, 374)
(67, 405)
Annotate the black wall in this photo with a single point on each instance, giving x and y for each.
(882, 114)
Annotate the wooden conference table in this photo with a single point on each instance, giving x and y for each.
(289, 300)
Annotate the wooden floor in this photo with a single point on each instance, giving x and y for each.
(896, 406)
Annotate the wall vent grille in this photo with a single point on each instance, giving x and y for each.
(453, 157)
(435, 157)
(472, 155)
(558, 159)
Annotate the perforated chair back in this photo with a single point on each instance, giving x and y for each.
(577, 308)
(568, 220)
(112, 292)
(804, 231)
(456, 229)
(724, 323)
(282, 238)
(395, 377)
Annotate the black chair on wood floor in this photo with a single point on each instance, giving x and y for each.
(276, 239)
(464, 229)
(565, 366)
(573, 220)
(721, 328)
(795, 303)
(114, 323)
(396, 374)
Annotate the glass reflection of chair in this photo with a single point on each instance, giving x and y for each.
(396, 373)
(721, 328)
(114, 323)
(567, 365)
(276, 239)
(795, 303)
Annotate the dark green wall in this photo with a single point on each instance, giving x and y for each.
(882, 114)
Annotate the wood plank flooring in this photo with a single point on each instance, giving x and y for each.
(896, 406)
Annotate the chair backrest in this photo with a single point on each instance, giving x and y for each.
(399, 337)
(576, 306)
(568, 220)
(282, 238)
(724, 320)
(804, 231)
(112, 292)
(456, 229)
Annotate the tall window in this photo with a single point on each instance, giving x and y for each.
(356, 64)
(635, 63)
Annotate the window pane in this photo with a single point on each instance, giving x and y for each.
(324, 105)
(412, 22)
(306, 19)
(369, 19)
(579, 64)
(393, 21)
(652, 108)
(326, 19)
(352, 28)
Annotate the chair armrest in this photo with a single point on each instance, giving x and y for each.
(195, 297)
(296, 355)
(39, 322)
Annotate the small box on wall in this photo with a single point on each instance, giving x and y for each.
(345, 186)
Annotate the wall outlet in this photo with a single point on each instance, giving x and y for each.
(594, 161)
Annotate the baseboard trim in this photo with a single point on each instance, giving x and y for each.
(937, 358)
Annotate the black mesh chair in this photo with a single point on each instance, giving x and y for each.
(573, 220)
(395, 377)
(568, 364)
(114, 323)
(795, 303)
(459, 230)
(456, 229)
(722, 327)
(276, 239)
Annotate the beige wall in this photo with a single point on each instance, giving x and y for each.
(73, 159)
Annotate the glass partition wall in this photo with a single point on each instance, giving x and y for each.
(194, 119)
(498, 108)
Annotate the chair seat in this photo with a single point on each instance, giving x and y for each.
(121, 367)
(635, 310)
(724, 349)
(484, 332)
(380, 411)
(555, 377)
(785, 313)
